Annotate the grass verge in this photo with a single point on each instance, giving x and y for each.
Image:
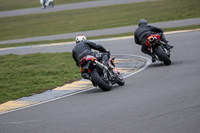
(25, 75)
(21, 4)
(96, 18)
(91, 38)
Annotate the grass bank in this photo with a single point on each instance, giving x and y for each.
(96, 18)
(91, 38)
(22, 4)
(25, 75)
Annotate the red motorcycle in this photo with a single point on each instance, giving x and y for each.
(159, 49)
(99, 74)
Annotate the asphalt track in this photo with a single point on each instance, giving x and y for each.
(160, 99)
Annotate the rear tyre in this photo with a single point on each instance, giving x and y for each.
(162, 55)
(100, 82)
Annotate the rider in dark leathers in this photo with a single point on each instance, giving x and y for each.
(83, 48)
(143, 32)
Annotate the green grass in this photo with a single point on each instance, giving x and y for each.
(91, 38)
(21, 4)
(191, 27)
(25, 75)
(96, 18)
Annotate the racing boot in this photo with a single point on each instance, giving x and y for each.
(169, 47)
(85, 75)
(153, 58)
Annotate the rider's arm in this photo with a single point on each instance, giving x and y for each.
(157, 30)
(75, 60)
(136, 39)
(95, 46)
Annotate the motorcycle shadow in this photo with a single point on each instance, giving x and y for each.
(98, 90)
(159, 64)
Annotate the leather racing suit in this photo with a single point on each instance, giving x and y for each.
(83, 48)
(143, 32)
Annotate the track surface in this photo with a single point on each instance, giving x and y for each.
(160, 99)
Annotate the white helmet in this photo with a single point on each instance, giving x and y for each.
(80, 38)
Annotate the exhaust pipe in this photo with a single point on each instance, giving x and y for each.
(101, 66)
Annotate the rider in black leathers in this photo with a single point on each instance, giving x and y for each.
(83, 48)
(143, 32)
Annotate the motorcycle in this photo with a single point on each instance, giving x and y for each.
(47, 3)
(159, 49)
(99, 74)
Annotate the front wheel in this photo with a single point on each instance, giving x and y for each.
(162, 55)
(51, 4)
(100, 82)
(120, 80)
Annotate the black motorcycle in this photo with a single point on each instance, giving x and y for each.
(159, 49)
(99, 74)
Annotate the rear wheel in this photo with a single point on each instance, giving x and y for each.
(162, 55)
(100, 82)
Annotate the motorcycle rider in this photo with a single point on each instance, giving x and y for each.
(43, 2)
(143, 32)
(83, 48)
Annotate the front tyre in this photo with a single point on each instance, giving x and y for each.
(51, 4)
(120, 80)
(162, 55)
(100, 82)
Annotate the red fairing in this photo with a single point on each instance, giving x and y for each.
(86, 58)
(90, 58)
(147, 41)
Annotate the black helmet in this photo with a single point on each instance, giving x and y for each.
(142, 22)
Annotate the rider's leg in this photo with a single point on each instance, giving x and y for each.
(85, 74)
(104, 57)
(145, 50)
(44, 2)
(105, 60)
(162, 37)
